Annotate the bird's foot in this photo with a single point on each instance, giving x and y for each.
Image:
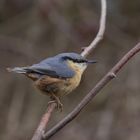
(58, 102)
(59, 105)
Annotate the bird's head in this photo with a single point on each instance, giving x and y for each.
(76, 61)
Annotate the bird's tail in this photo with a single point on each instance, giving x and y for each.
(21, 70)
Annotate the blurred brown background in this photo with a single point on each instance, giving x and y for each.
(31, 30)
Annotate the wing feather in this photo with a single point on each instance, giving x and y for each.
(52, 68)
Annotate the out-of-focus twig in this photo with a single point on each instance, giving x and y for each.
(104, 81)
(100, 33)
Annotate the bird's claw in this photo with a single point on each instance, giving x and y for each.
(58, 103)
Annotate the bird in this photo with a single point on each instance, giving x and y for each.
(56, 76)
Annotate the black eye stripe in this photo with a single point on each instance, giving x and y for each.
(78, 61)
(81, 60)
(75, 60)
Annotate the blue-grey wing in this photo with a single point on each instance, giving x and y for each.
(52, 68)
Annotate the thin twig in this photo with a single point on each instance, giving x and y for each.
(110, 75)
(100, 33)
(43, 123)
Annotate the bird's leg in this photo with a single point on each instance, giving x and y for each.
(57, 101)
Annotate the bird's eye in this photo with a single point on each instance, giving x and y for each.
(82, 61)
(79, 61)
(75, 60)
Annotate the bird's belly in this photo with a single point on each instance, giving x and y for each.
(59, 87)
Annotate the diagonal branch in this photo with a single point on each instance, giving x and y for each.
(104, 81)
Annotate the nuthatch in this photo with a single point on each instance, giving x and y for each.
(56, 76)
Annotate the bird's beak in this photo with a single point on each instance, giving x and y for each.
(91, 61)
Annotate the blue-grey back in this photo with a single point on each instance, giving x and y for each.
(53, 66)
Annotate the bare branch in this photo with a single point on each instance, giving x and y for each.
(38, 135)
(100, 33)
(108, 77)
